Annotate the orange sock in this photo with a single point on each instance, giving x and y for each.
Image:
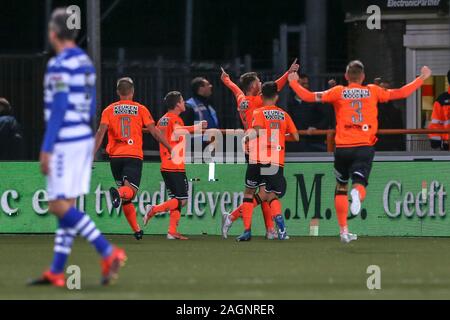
(362, 191)
(237, 213)
(126, 193)
(341, 204)
(247, 212)
(275, 207)
(169, 205)
(130, 213)
(267, 212)
(175, 216)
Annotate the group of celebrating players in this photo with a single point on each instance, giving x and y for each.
(67, 151)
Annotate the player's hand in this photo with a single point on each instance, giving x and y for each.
(204, 124)
(425, 73)
(245, 144)
(293, 76)
(44, 159)
(294, 67)
(332, 83)
(310, 130)
(224, 75)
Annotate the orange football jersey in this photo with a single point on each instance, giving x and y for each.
(167, 124)
(269, 147)
(125, 121)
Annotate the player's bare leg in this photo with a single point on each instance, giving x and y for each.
(341, 205)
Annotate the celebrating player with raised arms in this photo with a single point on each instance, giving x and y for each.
(125, 121)
(271, 127)
(249, 99)
(173, 169)
(66, 154)
(356, 128)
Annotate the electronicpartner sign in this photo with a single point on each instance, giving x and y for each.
(404, 198)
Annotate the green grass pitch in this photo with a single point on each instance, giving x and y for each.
(207, 267)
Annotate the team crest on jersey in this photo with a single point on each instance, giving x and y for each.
(163, 122)
(274, 114)
(244, 105)
(356, 93)
(126, 109)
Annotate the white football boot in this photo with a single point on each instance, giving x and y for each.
(355, 207)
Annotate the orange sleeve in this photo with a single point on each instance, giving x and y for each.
(258, 119)
(290, 125)
(105, 117)
(328, 96)
(405, 91)
(147, 118)
(282, 81)
(238, 94)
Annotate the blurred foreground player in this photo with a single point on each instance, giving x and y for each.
(271, 128)
(249, 99)
(173, 168)
(125, 121)
(66, 154)
(356, 128)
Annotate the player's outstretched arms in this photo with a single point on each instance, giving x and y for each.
(99, 136)
(281, 82)
(407, 90)
(303, 93)
(192, 129)
(225, 77)
(154, 131)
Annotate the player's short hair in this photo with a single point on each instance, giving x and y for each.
(5, 107)
(247, 79)
(269, 90)
(355, 69)
(197, 83)
(58, 23)
(125, 86)
(171, 99)
(448, 76)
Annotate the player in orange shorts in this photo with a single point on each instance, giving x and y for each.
(356, 111)
(173, 168)
(125, 121)
(248, 100)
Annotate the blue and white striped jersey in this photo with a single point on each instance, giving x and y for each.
(69, 96)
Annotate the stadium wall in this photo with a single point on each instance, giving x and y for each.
(404, 199)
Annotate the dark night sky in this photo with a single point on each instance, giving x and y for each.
(151, 27)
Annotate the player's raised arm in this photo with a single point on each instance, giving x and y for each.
(281, 82)
(225, 77)
(407, 90)
(154, 131)
(302, 92)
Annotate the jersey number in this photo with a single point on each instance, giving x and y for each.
(125, 127)
(357, 105)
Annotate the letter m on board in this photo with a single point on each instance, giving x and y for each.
(306, 197)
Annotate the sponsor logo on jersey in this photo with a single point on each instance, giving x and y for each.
(355, 93)
(274, 114)
(163, 122)
(126, 109)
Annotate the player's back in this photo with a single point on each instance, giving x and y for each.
(356, 108)
(246, 106)
(275, 124)
(72, 74)
(167, 124)
(125, 120)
